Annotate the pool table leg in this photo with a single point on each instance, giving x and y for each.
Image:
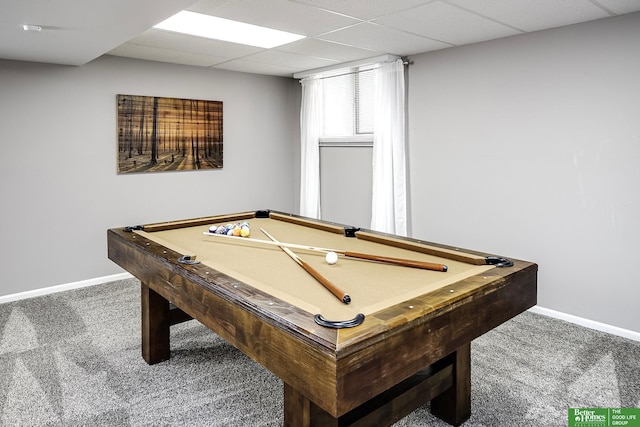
(301, 412)
(155, 326)
(454, 405)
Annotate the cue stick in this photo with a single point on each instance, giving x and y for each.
(389, 260)
(340, 294)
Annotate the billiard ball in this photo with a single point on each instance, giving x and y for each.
(331, 258)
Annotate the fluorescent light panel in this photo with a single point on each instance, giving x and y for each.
(29, 27)
(212, 27)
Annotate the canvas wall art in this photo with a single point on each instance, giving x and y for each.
(157, 134)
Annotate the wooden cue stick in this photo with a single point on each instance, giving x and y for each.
(389, 260)
(340, 294)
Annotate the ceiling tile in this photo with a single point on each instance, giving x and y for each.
(365, 9)
(150, 53)
(381, 38)
(528, 15)
(257, 68)
(620, 7)
(328, 50)
(193, 44)
(291, 60)
(282, 15)
(450, 24)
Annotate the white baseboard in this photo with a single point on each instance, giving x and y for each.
(64, 287)
(591, 324)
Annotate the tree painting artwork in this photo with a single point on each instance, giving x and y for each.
(168, 134)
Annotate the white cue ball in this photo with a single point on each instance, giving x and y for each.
(331, 258)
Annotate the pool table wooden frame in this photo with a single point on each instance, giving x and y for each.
(385, 368)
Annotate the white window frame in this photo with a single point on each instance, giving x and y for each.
(362, 139)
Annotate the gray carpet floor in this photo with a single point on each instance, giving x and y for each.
(73, 359)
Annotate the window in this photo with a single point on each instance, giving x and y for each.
(346, 145)
(348, 107)
(338, 110)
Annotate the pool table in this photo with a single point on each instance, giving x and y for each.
(403, 339)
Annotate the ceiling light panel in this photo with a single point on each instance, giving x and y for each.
(212, 27)
(29, 27)
(282, 15)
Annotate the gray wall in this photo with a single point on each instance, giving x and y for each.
(60, 190)
(529, 146)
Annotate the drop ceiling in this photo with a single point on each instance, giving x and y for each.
(75, 32)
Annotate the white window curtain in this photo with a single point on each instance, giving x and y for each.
(310, 129)
(389, 199)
